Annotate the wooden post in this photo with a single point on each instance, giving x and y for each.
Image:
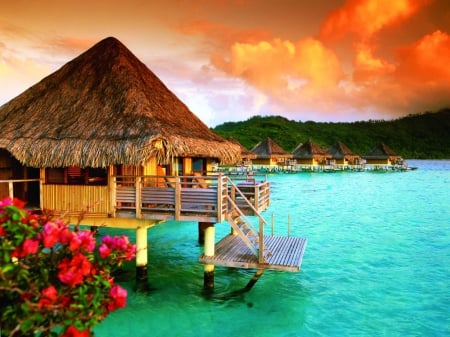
(177, 198)
(261, 241)
(141, 258)
(202, 226)
(208, 276)
(138, 197)
(272, 218)
(289, 225)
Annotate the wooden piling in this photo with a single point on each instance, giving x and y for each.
(141, 258)
(208, 276)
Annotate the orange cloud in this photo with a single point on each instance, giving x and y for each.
(366, 17)
(427, 60)
(278, 65)
(222, 35)
(367, 67)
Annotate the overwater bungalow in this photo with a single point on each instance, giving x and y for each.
(270, 156)
(382, 157)
(103, 142)
(343, 158)
(310, 156)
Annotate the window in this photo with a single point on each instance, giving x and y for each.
(75, 175)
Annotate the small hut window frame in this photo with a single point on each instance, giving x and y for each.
(75, 175)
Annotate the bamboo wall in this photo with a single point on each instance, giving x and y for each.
(76, 198)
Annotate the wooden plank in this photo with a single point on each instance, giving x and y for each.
(232, 252)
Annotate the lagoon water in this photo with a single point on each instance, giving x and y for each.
(377, 263)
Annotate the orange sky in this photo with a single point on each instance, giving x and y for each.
(327, 60)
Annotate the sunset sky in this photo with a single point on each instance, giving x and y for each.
(228, 60)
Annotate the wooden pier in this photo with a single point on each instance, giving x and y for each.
(285, 254)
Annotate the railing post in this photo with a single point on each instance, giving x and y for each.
(256, 196)
(177, 198)
(219, 198)
(113, 195)
(11, 189)
(138, 196)
(261, 241)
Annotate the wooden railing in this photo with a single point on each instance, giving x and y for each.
(200, 198)
(7, 188)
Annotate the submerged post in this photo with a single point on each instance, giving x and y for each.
(141, 258)
(208, 276)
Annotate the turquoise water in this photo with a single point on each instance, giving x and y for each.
(377, 264)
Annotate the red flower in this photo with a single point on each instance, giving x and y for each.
(118, 296)
(72, 272)
(29, 246)
(2, 231)
(18, 203)
(71, 331)
(49, 296)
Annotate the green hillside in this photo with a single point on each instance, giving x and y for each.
(419, 136)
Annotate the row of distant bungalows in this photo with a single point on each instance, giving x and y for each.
(268, 155)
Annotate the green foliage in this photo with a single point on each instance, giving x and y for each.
(419, 136)
(55, 281)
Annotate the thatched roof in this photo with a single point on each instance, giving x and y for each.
(309, 150)
(105, 107)
(340, 151)
(245, 154)
(267, 148)
(381, 151)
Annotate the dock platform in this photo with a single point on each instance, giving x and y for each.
(286, 253)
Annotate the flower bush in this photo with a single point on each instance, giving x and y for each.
(55, 281)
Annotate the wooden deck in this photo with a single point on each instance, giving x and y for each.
(286, 253)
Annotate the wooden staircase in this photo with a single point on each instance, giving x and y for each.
(247, 246)
(248, 233)
(253, 237)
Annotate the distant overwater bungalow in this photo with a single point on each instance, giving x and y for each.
(382, 157)
(270, 157)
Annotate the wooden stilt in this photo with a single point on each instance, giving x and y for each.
(208, 277)
(201, 231)
(141, 259)
(254, 279)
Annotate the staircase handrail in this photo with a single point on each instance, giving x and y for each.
(256, 212)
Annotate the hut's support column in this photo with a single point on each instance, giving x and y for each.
(208, 276)
(201, 231)
(141, 258)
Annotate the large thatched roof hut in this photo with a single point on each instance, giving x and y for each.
(309, 153)
(105, 107)
(269, 153)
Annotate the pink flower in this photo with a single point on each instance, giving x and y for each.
(118, 296)
(82, 240)
(104, 250)
(50, 234)
(120, 244)
(55, 232)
